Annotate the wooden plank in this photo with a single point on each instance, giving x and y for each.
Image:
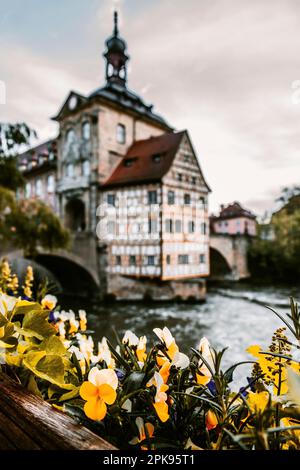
(47, 427)
(18, 438)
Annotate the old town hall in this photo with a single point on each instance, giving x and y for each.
(129, 188)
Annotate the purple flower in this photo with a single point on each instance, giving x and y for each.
(120, 374)
(212, 387)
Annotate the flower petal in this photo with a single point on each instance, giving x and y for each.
(162, 411)
(107, 393)
(88, 391)
(104, 376)
(95, 409)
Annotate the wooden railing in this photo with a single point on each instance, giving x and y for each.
(29, 423)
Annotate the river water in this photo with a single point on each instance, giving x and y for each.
(234, 317)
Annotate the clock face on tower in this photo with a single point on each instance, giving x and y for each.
(73, 101)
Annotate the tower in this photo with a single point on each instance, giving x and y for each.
(116, 57)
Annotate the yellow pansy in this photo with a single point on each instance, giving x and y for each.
(166, 337)
(99, 391)
(144, 430)
(161, 397)
(204, 375)
(258, 401)
(83, 320)
(49, 302)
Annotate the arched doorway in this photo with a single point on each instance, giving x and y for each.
(219, 267)
(75, 215)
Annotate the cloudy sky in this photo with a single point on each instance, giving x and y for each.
(223, 69)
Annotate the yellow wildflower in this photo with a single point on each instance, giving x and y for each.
(211, 420)
(258, 401)
(49, 302)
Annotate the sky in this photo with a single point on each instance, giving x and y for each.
(226, 70)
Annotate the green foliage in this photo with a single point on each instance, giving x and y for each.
(279, 258)
(36, 225)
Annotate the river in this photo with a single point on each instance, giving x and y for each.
(234, 317)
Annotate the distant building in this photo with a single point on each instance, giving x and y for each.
(113, 150)
(234, 220)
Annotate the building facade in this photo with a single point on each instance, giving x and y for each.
(234, 220)
(123, 177)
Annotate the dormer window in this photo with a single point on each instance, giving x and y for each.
(156, 158)
(86, 130)
(128, 162)
(121, 134)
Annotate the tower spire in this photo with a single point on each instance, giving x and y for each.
(116, 27)
(116, 57)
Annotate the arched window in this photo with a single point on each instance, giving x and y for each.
(51, 184)
(86, 130)
(39, 188)
(70, 170)
(28, 190)
(70, 136)
(121, 134)
(75, 215)
(86, 168)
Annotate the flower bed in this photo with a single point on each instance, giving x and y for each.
(147, 394)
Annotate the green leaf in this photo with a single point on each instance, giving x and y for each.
(49, 368)
(69, 395)
(36, 324)
(32, 386)
(53, 345)
(229, 372)
(133, 382)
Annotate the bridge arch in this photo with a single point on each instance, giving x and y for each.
(69, 271)
(219, 266)
(233, 250)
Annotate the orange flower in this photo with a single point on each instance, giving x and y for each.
(99, 391)
(144, 430)
(211, 420)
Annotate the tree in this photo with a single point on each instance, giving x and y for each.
(279, 258)
(33, 224)
(12, 137)
(27, 224)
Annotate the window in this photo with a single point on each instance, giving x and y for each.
(51, 184)
(28, 190)
(51, 156)
(151, 260)
(121, 134)
(86, 130)
(187, 199)
(152, 225)
(86, 168)
(183, 259)
(203, 228)
(156, 158)
(178, 226)
(132, 260)
(129, 162)
(111, 228)
(194, 180)
(39, 188)
(111, 199)
(118, 260)
(152, 197)
(202, 201)
(191, 226)
(179, 177)
(70, 170)
(70, 136)
(169, 225)
(186, 157)
(171, 197)
(202, 259)
(168, 259)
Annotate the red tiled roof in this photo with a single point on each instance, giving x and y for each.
(232, 211)
(142, 164)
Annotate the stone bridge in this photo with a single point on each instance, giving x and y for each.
(228, 256)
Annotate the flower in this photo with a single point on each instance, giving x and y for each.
(145, 430)
(49, 302)
(104, 354)
(211, 420)
(205, 375)
(7, 304)
(83, 320)
(161, 397)
(180, 360)
(258, 401)
(99, 391)
(130, 338)
(139, 344)
(166, 337)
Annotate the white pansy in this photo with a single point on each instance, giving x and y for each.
(164, 335)
(104, 376)
(180, 360)
(130, 338)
